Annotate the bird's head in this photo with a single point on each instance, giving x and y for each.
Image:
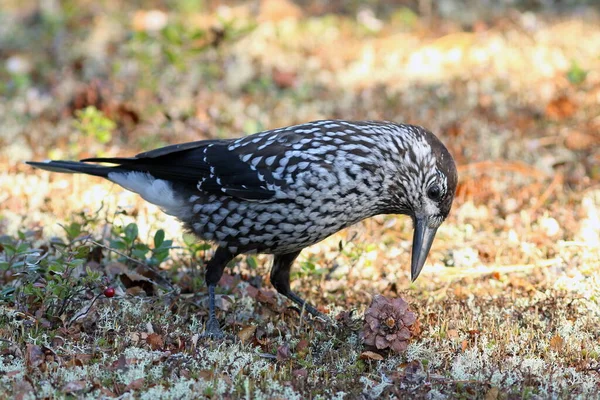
(426, 188)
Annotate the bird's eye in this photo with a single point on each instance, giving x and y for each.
(434, 193)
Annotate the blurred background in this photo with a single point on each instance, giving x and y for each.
(511, 87)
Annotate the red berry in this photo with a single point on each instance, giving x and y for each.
(109, 292)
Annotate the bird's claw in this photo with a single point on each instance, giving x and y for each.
(213, 330)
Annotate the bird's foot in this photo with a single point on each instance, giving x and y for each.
(213, 330)
(303, 306)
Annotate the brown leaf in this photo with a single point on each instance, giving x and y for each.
(557, 343)
(247, 333)
(283, 353)
(119, 364)
(78, 360)
(302, 345)
(492, 394)
(227, 281)
(74, 386)
(35, 355)
(278, 10)
(266, 296)
(453, 129)
(251, 291)
(155, 341)
(561, 107)
(300, 373)
(135, 385)
(452, 333)
(464, 344)
(577, 140)
(206, 374)
(133, 281)
(415, 329)
(22, 389)
(371, 355)
(107, 393)
(284, 79)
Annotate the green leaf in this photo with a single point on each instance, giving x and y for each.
(118, 245)
(252, 263)
(172, 34)
(73, 231)
(189, 239)
(159, 238)
(58, 268)
(142, 247)
(82, 252)
(131, 232)
(576, 74)
(139, 253)
(9, 249)
(23, 248)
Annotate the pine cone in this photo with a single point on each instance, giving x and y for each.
(387, 323)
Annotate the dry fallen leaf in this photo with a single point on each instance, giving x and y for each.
(561, 107)
(371, 355)
(247, 333)
(155, 341)
(73, 386)
(284, 79)
(492, 394)
(577, 140)
(557, 343)
(278, 10)
(300, 373)
(22, 389)
(135, 385)
(35, 355)
(283, 352)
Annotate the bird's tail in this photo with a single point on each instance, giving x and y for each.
(74, 167)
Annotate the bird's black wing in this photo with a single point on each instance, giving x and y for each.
(242, 168)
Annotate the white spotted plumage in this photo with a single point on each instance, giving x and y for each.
(279, 191)
(324, 176)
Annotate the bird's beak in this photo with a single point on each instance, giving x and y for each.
(422, 240)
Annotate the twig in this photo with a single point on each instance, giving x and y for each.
(485, 270)
(86, 311)
(556, 182)
(164, 281)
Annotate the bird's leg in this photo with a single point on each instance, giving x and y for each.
(214, 271)
(280, 279)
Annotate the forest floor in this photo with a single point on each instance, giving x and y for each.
(508, 304)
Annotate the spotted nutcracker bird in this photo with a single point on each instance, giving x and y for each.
(282, 190)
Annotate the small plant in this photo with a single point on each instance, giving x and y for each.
(309, 268)
(46, 282)
(93, 123)
(126, 241)
(576, 75)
